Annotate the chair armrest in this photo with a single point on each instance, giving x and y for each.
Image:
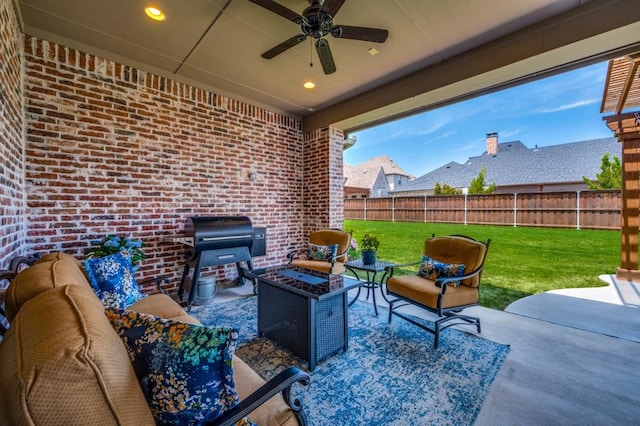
(389, 270)
(443, 282)
(158, 283)
(280, 383)
(292, 254)
(339, 255)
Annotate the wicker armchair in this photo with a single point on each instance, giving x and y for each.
(331, 263)
(447, 283)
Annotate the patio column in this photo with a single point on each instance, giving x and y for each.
(323, 184)
(626, 128)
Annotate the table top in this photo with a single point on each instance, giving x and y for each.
(306, 282)
(374, 267)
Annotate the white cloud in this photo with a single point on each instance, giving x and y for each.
(441, 136)
(576, 104)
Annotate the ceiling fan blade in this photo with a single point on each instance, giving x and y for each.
(326, 59)
(287, 44)
(360, 33)
(332, 6)
(278, 9)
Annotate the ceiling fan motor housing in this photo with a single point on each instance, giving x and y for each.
(314, 21)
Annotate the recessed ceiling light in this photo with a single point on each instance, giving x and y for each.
(309, 85)
(155, 13)
(373, 51)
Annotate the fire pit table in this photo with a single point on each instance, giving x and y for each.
(304, 310)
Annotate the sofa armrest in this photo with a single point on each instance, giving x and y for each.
(280, 383)
(158, 281)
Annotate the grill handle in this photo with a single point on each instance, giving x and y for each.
(232, 237)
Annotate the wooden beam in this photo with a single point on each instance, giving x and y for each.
(626, 128)
(628, 82)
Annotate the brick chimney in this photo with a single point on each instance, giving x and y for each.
(492, 143)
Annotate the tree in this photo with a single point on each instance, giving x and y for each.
(610, 176)
(445, 190)
(478, 186)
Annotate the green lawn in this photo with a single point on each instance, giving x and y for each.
(521, 261)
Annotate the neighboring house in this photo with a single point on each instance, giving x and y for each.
(515, 168)
(374, 178)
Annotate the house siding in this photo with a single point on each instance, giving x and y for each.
(13, 222)
(111, 149)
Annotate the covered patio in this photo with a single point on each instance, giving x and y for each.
(112, 126)
(572, 356)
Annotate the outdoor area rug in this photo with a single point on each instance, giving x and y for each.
(391, 374)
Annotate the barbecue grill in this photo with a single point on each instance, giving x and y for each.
(218, 240)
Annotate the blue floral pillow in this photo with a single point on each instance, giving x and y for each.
(112, 280)
(433, 269)
(185, 370)
(318, 252)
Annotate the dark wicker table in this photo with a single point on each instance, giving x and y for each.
(306, 311)
(371, 283)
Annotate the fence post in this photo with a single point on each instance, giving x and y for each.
(425, 207)
(393, 208)
(515, 209)
(577, 209)
(465, 209)
(365, 209)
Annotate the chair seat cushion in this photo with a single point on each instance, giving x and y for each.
(320, 265)
(425, 292)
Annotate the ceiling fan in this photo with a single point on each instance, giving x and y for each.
(317, 21)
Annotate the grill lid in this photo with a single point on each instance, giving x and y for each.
(218, 232)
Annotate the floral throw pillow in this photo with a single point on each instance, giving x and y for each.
(185, 370)
(433, 269)
(318, 252)
(112, 280)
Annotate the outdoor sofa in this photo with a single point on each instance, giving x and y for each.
(62, 362)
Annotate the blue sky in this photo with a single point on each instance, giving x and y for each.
(560, 109)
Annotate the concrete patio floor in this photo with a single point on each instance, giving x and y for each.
(573, 361)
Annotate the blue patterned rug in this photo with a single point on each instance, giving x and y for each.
(391, 375)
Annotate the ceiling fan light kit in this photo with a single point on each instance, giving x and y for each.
(316, 21)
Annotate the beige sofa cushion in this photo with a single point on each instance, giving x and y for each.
(159, 305)
(50, 271)
(273, 412)
(65, 365)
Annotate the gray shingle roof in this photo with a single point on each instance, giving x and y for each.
(515, 164)
(365, 174)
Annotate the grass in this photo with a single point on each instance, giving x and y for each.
(521, 261)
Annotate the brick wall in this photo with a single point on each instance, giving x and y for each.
(113, 149)
(12, 184)
(323, 179)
